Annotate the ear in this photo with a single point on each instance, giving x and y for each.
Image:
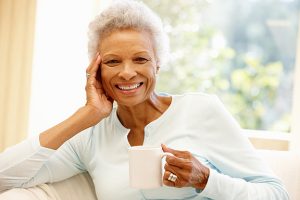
(157, 69)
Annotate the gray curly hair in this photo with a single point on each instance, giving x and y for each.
(125, 14)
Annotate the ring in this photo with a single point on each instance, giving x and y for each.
(87, 75)
(172, 177)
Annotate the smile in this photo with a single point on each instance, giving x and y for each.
(129, 87)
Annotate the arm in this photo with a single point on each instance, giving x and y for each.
(240, 172)
(54, 137)
(220, 186)
(35, 161)
(98, 106)
(20, 162)
(28, 164)
(213, 184)
(235, 169)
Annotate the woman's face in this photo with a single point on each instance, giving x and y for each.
(128, 66)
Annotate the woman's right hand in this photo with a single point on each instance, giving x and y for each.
(98, 102)
(97, 107)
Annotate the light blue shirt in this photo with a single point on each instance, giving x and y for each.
(193, 122)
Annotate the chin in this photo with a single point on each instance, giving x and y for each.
(129, 101)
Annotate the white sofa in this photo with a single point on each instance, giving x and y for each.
(285, 164)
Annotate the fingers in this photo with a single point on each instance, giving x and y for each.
(180, 164)
(181, 159)
(173, 169)
(189, 170)
(166, 181)
(91, 72)
(179, 182)
(94, 66)
(177, 153)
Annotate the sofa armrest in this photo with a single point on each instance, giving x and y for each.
(75, 188)
(78, 187)
(40, 192)
(286, 165)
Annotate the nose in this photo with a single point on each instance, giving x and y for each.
(127, 72)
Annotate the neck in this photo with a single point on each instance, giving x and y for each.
(138, 116)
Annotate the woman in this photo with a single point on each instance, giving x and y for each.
(212, 159)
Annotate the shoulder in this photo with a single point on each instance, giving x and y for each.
(203, 106)
(79, 142)
(193, 96)
(89, 136)
(197, 100)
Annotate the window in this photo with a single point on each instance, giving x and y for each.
(60, 59)
(244, 51)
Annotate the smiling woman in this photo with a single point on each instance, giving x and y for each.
(129, 66)
(189, 127)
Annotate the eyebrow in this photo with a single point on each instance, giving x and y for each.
(142, 52)
(112, 54)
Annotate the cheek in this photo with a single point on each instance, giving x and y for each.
(151, 76)
(103, 76)
(106, 76)
(149, 70)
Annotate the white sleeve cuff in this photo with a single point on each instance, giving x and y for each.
(36, 145)
(210, 189)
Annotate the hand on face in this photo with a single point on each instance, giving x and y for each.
(95, 95)
(189, 171)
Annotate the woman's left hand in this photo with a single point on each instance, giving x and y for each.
(189, 171)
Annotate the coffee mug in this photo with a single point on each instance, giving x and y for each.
(145, 167)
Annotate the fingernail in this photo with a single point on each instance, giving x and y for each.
(98, 57)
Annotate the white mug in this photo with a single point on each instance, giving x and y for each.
(145, 167)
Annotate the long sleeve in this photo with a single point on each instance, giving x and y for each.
(19, 163)
(221, 187)
(28, 164)
(238, 172)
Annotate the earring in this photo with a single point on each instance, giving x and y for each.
(157, 70)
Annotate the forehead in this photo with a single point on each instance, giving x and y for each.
(126, 41)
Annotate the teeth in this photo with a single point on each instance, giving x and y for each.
(129, 87)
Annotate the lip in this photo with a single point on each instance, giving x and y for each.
(128, 91)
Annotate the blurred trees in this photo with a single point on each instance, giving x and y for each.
(243, 51)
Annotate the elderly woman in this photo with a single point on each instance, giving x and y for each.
(212, 159)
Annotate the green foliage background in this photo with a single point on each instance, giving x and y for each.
(240, 50)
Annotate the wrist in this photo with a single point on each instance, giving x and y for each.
(54, 137)
(203, 179)
(89, 115)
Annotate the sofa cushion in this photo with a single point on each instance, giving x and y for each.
(40, 192)
(286, 165)
(77, 187)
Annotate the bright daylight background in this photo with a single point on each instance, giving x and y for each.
(244, 51)
(60, 59)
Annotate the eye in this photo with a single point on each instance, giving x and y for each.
(112, 62)
(140, 60)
